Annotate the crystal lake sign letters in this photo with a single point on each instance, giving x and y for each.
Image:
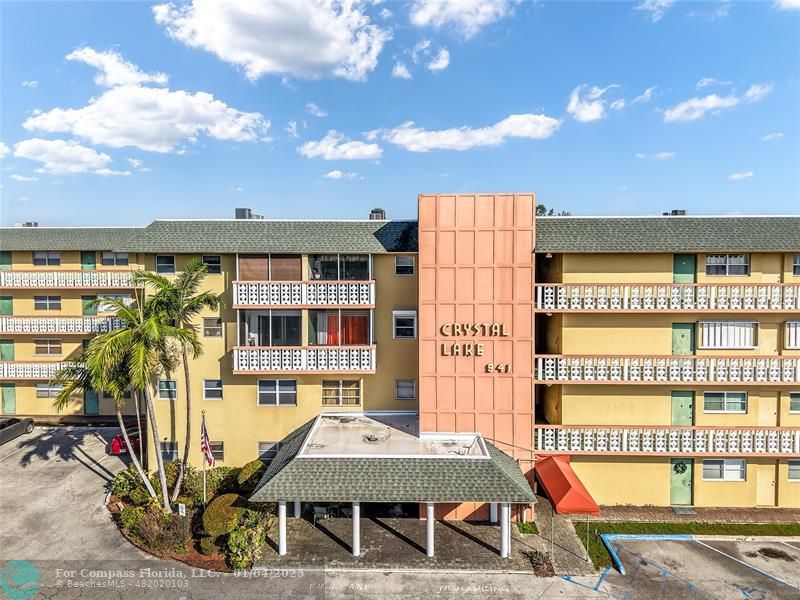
(473, 347)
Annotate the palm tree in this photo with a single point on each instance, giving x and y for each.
(181, 302)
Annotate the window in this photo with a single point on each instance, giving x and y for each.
(47, 302)
(403, 265)
(341, 393)
(212, 327)
(338, 327)
(213, 264)
(728, 469)
(126, 394)
(5, 260)
(796, 264)
(212, 389)
(794, 402)
(49, 259)
(268, 450)
(169, 451)
(794, 470)
(49, 346)
(727, 264)
(405, 324)
(167, 389)
(217, 450)
(271, 327)
(104, 306)
(792, 335)
(341, 267)
(165, 263)
(45, 390)
(405, 389)
(6, 305)
(115, 259)
(728, 334)
(725, 402)
(277, 392)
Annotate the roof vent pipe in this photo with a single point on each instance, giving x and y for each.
(676, 212)
(377, 214)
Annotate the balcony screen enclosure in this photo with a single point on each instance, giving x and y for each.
(338, 328)
(339, 267)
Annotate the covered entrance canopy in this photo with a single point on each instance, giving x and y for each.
(566, 492)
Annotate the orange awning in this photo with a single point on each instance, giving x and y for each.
(566, 492)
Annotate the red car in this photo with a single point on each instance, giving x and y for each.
(118, 445)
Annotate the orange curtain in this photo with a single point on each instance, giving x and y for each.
(333, 330)
(355, 329)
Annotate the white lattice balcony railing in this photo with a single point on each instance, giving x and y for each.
(66, 279)
(667, 297)
(304, 359)
(720, 370)
(36, 325)
(261, 294)
(30, 370)
(667, 440)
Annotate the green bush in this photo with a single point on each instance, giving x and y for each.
(223, 514)
(189, 501)
(161, 532)
(125, 482)
(219, 480)
(250, 475)
(209, 545)
(130, 517)
(140, 496)
(244, 547)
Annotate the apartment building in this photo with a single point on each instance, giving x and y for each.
(657, 359)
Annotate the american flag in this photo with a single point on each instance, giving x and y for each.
(205, 445)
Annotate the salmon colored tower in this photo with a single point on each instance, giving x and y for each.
(476, 322)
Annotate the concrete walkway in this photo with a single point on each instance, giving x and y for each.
(709, 515)
(568, 553)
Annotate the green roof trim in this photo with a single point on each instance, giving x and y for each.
(564, 235)
(387, 479)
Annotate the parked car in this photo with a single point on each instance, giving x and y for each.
(118, 445)
(13, 427)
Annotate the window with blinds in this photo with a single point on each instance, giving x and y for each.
(728, 334)
(792, 335)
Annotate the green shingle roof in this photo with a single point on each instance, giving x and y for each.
(66, 238)
(383, 479)
(668, 234)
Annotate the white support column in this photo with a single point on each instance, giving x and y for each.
(505, 523)
(493, 512)
(297, 509)
(430, 519)
(281, 528)
(356, 528)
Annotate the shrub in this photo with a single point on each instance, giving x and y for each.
(160, 532)
(250, 475)
(244, 547)
(130, 517)
(140, 496)
(125, 482)
(187, 500)
(219, 480)
(223, 514)
(209, 545)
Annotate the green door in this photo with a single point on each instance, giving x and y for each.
(6, 305)
(682, 408)
(9, 398)
(88, 261)
(5, 260)
(6, 349)
(88, 307)
(683, 338)
(680, 483)
(684, 268)
(91, 403)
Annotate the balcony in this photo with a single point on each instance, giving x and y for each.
(667, 297)
(300, 294)
(697, 370)
(667, 440)
(68, 325)
(304, 359)
(42, 371)
(66, 279)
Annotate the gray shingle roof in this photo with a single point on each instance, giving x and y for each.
(66, 238)
(382, 479)
(668, 234)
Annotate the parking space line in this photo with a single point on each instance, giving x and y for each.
(741, 562)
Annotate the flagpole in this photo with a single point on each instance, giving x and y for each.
(203, 428)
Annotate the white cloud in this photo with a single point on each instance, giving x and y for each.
(707, 81)
(719, 10)
(440, 61)
(306, 38)
(416, 139)
(740, 176)
(400, 71)
(618, 104)
(656, 156)
(111, 173)
(16, 177)
(61, 156)
(135, 162)
(787, 4)
(316, 110)
(771, 137)
(645, 96)
(385, 13)
(113, 69)
(337, 174)
(4, 150)
(656, 8)
(146, 170)
(32, 84)
(153, 119)
(334, 147)
(696, 108)
(291, 129)
(589, 107)
(466, 16)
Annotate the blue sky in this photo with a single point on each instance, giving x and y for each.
(121, 112)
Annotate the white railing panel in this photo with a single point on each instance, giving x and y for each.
(66, 279)
(304, 293)
(36, 325)
(311, 359)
